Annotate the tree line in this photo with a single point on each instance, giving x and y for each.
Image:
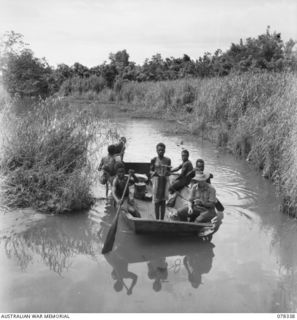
(23, 74)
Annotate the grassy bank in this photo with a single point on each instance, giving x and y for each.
(47, 155)
(253, 115)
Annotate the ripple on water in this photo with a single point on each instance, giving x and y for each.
(55, 264)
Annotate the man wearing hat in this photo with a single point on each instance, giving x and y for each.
(202, 201)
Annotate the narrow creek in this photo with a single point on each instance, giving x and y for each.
(54, 263)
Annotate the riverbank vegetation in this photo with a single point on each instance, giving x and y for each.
(46, 156)
(243, 99)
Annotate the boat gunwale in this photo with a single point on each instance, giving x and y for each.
(191, 224)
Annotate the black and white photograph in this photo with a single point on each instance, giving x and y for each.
(148, 158)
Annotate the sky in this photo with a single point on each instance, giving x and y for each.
(87, 31)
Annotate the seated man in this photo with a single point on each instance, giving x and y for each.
(118, 187)
(200, 168)
(202, 201)
(184, 178)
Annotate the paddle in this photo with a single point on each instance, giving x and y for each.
(108, 244)
(219, 205)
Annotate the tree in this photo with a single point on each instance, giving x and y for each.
(109, 73)
(26, 75)
(11, 44)
(155, 68)
(80, 70)
(120, 60)
(22, 73)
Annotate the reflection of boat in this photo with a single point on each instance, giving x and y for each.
(148, 248)
(148, 224)
(165, 257)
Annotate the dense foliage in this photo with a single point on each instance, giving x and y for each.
(26, 75)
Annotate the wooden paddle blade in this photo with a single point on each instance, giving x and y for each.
(219, 206)
(109, 241)
(108, 244)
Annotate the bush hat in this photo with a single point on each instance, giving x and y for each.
(201, 176)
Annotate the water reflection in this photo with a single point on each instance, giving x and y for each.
(190, 254)
(284, 243)
(157, 271)
(197, 264)
(121, 274)
(163, 257)
(56, 240)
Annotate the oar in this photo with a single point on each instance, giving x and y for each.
(219, 205)
(108, 244)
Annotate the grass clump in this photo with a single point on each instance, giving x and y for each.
(46, 156)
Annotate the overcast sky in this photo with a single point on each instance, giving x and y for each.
(86, 31)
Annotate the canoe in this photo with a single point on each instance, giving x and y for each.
(147, 224)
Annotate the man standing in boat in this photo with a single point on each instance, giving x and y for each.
(202, 201)
(160, 171)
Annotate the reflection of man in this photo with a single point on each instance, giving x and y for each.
(120, 272)
(199, 263)
(157, 269)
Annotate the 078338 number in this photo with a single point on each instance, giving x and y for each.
(286, 316)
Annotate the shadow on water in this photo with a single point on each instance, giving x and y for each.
(55, 240)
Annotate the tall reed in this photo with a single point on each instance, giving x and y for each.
(46, 156)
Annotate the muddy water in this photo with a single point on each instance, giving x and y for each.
(54, 264)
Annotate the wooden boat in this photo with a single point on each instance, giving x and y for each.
(147, 224)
